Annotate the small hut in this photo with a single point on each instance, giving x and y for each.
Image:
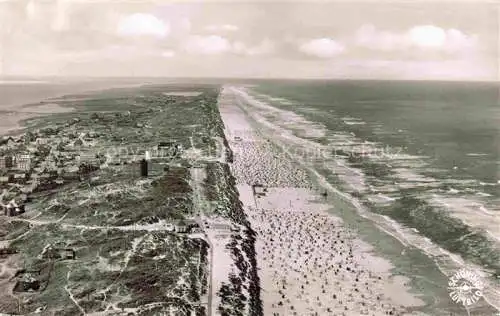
(9, 210)
(68, 254)
(167, 144)
(258, 190)
(7, 179)
(20, 178)
(181, 227)
(42, 141)
(54, 253)
(13, 209)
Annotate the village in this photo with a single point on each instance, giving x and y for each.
(102, 193)
(45, 159)
(42, 160)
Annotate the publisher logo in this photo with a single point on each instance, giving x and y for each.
(465, 287)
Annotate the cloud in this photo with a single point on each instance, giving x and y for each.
(207, 45)
(215, 44)
(168, 53)
(185, 24)
(264, 48)
(368, 36)
(60, 21)
(121, 53)
(141, 24)
(31, 10)
(427, 36)
(222, 28)
(456, 41)
(423, 37)
(322, 48)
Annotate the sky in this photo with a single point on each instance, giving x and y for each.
(398, 40)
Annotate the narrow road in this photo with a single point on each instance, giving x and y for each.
(210, 293)
(197, 176)
(147, 227)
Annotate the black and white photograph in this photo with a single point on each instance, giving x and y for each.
(249, 158)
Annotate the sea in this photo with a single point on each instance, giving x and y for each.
(19, 96)
(418, 159)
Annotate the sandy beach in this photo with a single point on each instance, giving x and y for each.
(309, 263)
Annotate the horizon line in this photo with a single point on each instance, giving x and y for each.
(32, 77)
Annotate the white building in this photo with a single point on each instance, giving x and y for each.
(42, 141)
(23, 162)
(87, 158)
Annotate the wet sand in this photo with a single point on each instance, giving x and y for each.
(309, 263)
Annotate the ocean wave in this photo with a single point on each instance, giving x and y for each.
(470, 212)
(489, 183)
(406, 179)
(354, 122)
(476, 154)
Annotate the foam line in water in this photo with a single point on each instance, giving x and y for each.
(284, 138)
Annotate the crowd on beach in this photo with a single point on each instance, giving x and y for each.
(309, 263)
(260, 162)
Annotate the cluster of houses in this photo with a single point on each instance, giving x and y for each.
(49, 157)
(18, 165)
(42, 159)
(17, 155)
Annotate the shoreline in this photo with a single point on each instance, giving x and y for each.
(266, 215)
(430, 273)
(16, 122)
(291, 209)
(20, 109)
